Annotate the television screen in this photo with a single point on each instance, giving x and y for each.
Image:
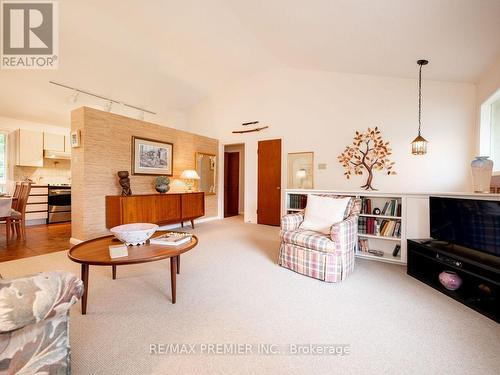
(472, 223)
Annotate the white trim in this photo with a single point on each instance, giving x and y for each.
(196, 221)
(459, 194)
(485, 141)
(75, 241)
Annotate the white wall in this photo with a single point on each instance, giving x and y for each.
(320, 111)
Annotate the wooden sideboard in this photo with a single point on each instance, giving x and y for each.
(154, 208)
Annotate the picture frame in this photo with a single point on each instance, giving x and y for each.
(151, 157)
(300, 174)
(75, 138)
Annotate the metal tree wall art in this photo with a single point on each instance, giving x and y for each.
(368, 152)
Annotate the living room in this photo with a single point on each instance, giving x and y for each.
(273, 187)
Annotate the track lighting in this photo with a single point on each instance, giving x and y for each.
(108, 106)
(74, 97)
(110, 101)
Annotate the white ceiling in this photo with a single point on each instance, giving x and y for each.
(167, 55)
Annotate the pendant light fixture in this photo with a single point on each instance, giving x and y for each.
(419, 144)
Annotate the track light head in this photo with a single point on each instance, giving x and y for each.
(74, 97)
(108, 106)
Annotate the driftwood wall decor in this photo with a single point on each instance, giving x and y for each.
(367, 153)
(250, 130)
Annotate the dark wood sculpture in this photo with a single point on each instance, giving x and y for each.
(125, 183)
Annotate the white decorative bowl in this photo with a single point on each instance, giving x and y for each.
(134, 234)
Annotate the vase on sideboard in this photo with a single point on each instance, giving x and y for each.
(482, 169)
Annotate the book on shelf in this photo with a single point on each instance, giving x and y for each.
(171, 239)
(362, 225)
(298, 201)
(379, 227)
(391, 208)
(376, 252)
(396, 250)
(363, 245)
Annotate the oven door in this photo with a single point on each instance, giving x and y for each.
(60, 198)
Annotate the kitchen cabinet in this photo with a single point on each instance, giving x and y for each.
(53, 142)
(29, 148)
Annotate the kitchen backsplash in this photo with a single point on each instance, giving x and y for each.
(52, 172)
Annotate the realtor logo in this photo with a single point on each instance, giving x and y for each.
(30, 35)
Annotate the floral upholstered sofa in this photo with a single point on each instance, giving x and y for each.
(34, 318)
(325, 257)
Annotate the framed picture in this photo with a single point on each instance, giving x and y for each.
(300, 170)
(74, 138)
(152, 157)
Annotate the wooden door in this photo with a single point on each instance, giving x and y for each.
(231, 183)
(269, 182)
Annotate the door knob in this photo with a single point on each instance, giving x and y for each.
(278, 188)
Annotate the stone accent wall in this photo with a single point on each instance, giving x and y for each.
(106, 148)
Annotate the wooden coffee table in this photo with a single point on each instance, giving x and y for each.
(96, 253)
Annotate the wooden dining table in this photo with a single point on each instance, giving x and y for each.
(5, 206)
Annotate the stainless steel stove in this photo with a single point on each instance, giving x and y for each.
(59, 203)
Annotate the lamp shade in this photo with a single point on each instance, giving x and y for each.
(301, 173)
(419, 146)
(190, 174)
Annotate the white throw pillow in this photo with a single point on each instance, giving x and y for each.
(322, 212)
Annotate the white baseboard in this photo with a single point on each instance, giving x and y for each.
(197, 221)
(74, 241)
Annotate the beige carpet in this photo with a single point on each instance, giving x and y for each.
(231, 291)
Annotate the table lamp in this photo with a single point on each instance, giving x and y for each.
(190, 175)
(301, 175)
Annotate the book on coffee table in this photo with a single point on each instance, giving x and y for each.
(171, 239)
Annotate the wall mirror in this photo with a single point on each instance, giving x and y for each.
(300, 170)
(206, 168)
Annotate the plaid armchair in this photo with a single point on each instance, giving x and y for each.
(325, 257)
(34, 319)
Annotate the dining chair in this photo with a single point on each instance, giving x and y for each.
(5, 211)
(15, 195)
(18, 216)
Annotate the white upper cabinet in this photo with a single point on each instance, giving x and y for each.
(30, 148)
(53, 142)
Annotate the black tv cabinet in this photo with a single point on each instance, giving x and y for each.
(480, 289)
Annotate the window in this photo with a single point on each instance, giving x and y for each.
(490, 130)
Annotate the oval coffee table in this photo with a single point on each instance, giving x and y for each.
(96, 253)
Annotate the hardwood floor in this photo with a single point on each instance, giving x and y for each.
(40, 239)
